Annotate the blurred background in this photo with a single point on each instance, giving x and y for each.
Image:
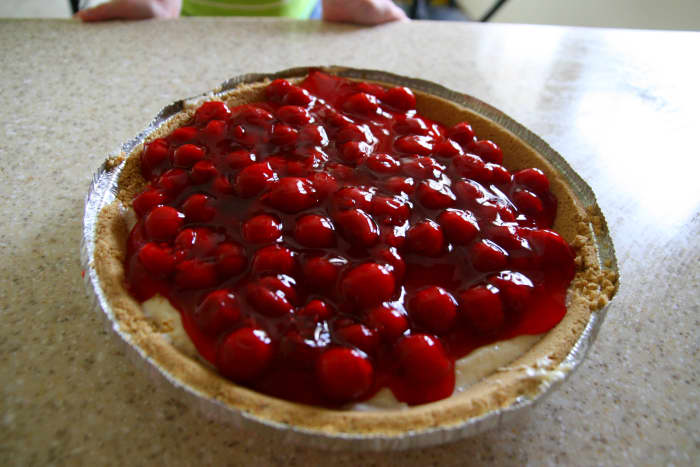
(640, 14)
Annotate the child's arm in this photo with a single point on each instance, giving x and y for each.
(132, 9)
(362, 11)
(346, 11)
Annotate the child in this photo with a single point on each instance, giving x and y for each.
(347, 11)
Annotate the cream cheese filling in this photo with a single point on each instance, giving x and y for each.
(468, 370)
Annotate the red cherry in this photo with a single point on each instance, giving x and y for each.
(199, 242)
(293, 115)
(253, 114)
(498, 175)
(360, 336)
(344, 374)
(404, 125)
(390, 211)
(554, 255)
(515, 289)
(533, 179)
(394, 260)
(239, 159)
(215, 130)
(506, 236)
(219, 310)
(333, 119)
(297, 96)
(158, 259)
(434, 308)
(284, 135)
(321, 272)
(422, 358)
(183, 134)
(389, 322)
(244, 135)
(292, 194)
(481, 306)
(254, 179)
(435, 194)
(147, 200)
(312, 159)
(463, 134)
(422, 167)
(210, 111)
(281, 284)
(382, 163)
(398, 185)
(487, 256)
(361, 104)
(368, 284)
(470, 191)
(230, 259)
(273, 259)
(352, 197)
(245, 354)
(460, 226)
(268, 301)
(195, 274)
(300, 352)
(354, 152)
(297, 169)
(324, 183)
(314, 135)
(198, 208)
(488, 151)
(262, 228)
(314, 231)
(203, 171)
(425, 238)
(394, 236)
(173, 181)
(154, 158)
(500, 211)
(163, 222)
(357, 227)
(370, 88)
(471, 166)
(401, 98)
(447, 149)
(222, 186)
(353, 132)
(340, 171)
(278, 163)
(277, 90)
(415, 144)
(316, 310)
(528, 202)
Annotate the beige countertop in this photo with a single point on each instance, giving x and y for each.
(621, 106)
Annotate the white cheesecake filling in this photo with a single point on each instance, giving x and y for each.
(468, 370)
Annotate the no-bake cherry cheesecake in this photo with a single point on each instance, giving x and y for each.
(334, 242)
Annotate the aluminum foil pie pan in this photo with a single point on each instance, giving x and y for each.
(104, 187)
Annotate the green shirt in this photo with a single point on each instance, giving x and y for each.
(300, 9)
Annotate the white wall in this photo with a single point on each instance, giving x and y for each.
(643, 14)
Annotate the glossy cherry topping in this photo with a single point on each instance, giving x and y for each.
(330, 241)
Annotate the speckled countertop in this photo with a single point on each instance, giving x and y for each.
(621, 106)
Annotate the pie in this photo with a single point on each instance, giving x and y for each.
(327, 253)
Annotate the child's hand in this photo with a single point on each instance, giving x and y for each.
(132, 9)
(362, 11)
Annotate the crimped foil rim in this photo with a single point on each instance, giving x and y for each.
(102, 192)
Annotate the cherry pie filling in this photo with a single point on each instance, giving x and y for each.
(330, 241)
